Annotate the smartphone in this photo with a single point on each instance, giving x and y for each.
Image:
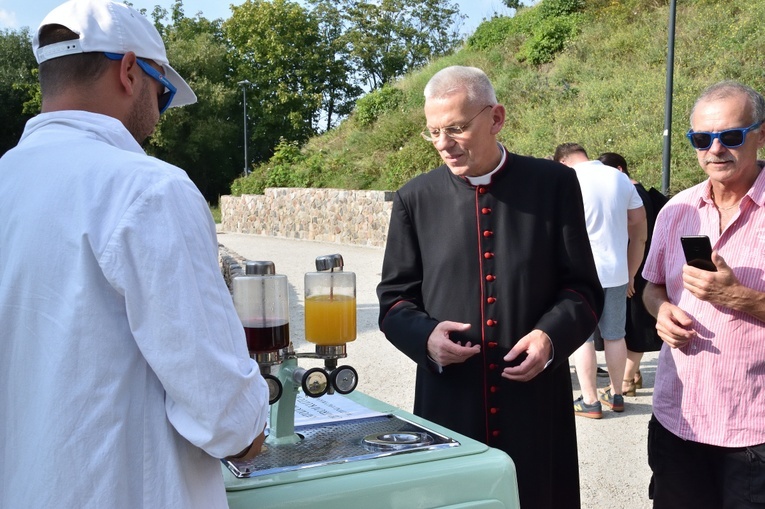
(698, 252)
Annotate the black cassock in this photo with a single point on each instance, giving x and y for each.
(507, 257)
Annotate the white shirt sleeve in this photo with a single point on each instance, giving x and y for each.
(162, 258)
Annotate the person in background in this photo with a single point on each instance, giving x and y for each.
(489, 284)
(616, 226)
(706, 438)
(125, 374)
(640, 328)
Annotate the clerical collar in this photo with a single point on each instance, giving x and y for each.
(484, 180)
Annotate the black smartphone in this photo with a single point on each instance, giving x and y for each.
(698, 252)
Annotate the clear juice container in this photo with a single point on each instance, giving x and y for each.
(261, 298)
(330, 303)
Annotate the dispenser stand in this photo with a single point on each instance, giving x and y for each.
(282, 430)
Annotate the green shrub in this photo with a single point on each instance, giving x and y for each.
(491, 33)
(549, 38)
(371, 106)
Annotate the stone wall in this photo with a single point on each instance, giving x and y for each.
(326, 215)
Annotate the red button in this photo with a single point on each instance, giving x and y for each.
(490, 278)
(494, 410)
(494, 389)
(491, 300)
(486, 211)
(492, 367)
(488, 233)
(495, 433)
(482, 190)
(492, 344)
(488, 255)
(491, 323)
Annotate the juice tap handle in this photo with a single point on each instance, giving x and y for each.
(329, 263)
(259, 268)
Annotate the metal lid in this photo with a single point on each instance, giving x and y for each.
(329, 262)
(259, 268)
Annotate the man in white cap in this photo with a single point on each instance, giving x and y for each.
(124, 371)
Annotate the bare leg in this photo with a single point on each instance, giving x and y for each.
(586, 365)
(616, 359)
(633, 365)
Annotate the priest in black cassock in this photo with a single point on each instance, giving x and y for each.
(489, 285)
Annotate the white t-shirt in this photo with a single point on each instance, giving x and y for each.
(124, 370)
(607, 194)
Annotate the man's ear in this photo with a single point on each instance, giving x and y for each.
(497, 118)
(129, 70)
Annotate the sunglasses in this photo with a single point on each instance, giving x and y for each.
(164, 99)
(730, 138)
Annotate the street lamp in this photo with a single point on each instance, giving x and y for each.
(244, 84)
(667, 149)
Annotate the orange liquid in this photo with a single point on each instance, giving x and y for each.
(330, 321)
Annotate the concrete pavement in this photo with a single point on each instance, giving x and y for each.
(614, 472)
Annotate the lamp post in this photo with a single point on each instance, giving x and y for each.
(244, 84)
(667, 150)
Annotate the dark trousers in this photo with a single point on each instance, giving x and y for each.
(692, 475)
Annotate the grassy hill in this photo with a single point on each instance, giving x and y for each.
(591, 72)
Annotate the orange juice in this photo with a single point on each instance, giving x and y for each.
(330, 321)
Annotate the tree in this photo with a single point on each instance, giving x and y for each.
(203, 138)
(340, 93)
(18, 86)
(277, 47)
(513, 4)
(386, 40)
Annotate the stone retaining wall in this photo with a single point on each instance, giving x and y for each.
(325, 215)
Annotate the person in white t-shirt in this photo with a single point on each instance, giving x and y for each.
(125, 374)
(617, 228)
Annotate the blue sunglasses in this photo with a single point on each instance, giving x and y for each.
(730, 138)
(165, 99)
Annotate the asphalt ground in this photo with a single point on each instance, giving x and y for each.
(613, 467)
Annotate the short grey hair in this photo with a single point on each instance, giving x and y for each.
(456, 78)
(730, 88)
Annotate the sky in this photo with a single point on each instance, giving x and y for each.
(15, 14)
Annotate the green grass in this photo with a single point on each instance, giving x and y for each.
(215, 211)
(605, 89)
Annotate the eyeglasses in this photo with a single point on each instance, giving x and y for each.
(166, 98)
(730, 138)
(452, 131)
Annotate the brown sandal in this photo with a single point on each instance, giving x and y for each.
(631, 387)
(638, 382)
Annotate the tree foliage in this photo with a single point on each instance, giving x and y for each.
(276, 46)
(385, 40)
(18, 85)
(205, 138)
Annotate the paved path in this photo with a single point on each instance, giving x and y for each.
(612, 451)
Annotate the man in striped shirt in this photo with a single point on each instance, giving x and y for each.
(706, 439)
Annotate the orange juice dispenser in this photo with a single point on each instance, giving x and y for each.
(261, 299)
(330, 317)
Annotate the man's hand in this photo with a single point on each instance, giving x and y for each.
(713, 287)
(674, 326)
(538, 349)
(443, 350)
(253, 450)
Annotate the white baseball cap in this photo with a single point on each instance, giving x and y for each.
(105, 26)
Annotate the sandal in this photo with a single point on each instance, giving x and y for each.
(631, 388)
(638, 382)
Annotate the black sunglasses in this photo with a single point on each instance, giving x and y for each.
(730, 138)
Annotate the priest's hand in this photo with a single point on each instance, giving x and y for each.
(536, 347)
(443, 350)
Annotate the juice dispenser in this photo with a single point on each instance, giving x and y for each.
(261, 299)
(330, 304)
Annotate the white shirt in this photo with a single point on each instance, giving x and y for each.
(124, 369)
(607, 194)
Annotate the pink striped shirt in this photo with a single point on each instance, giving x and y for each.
(712, 391)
